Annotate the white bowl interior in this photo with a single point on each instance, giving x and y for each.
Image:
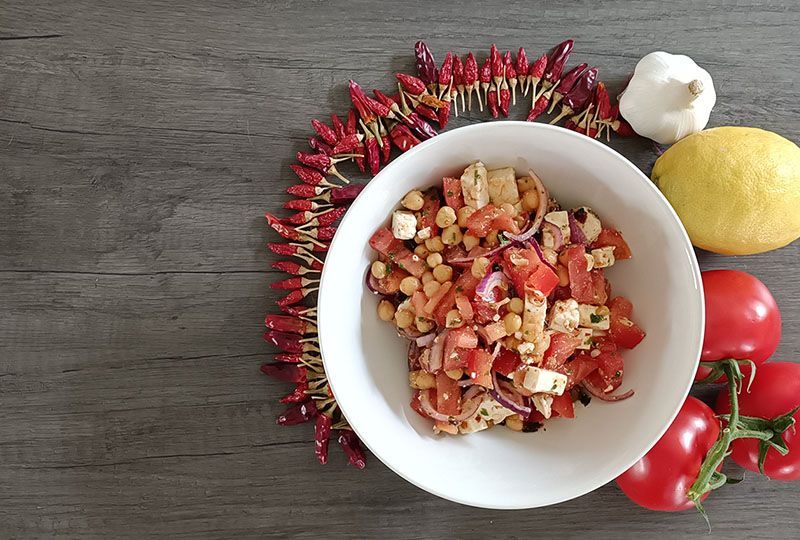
(366, 361)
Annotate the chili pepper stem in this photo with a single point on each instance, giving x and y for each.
(564, 112)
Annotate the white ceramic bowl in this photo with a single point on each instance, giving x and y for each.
(366, 361)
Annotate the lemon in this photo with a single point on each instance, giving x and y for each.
(736, 189)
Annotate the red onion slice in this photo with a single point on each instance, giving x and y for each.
(491, 252)
(427, 339)
(436, 358)
(576, 235)
(535, 245)
(489, 283)
(502, 393)
(555, 232)
(599, 394)
(469, 407)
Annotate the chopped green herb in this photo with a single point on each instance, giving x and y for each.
(596, 318)
(449, 192)
(484, 412)
(388, 269)
(459, 289)
(400, 265)
(618, 374)
(502, 238)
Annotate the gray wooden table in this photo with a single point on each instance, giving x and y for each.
(140, 143)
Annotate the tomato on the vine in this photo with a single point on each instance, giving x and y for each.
(742, 319)
(775, 391)
(660, 480)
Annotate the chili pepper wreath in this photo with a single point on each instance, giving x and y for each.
(366, 137)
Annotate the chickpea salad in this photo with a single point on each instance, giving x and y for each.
(503, 297)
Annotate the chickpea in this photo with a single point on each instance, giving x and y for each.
(563, 275)
(452, 236)
(413, 200)
(403, 318)
(424, 325)
(530, 200)
(511, 342)
(421, 251)
(479, 267)
(431, 287)
(463, 215)
(492, 240)
(512, 322)
(442, 273)
(470, 241)
(434, 244)
(434, 260)
(445, 217)
(409, 285)
(378, 270)
(427, 277)
(514, 423)
(526, 183)
(516, 305)
(453, 319)
(454, 374)
(509, 209)
(421, 380)
(385, 310)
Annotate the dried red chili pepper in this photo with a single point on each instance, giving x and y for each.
(295, 250)
(306, 191)
(284, 372)
(446, 77)
(289, 343)
(348, 144)
(322, 434)
(373, 153)
(412, 85)
(309, 176)
(290, 233)
(457, 88)
(622, 128)
(602, 115)
(497, 68)
(324, 163)
(351, 127)
(352, 448)
(338, 127)
(420, 126)
(443, 115)
(386, 147)
(510, 77)
(319, 146)
(292, 358)
(402, 137)
(579, 95)
(471, 81)
(344, 195)
(485, 78)
(322, 218)
(535, 76)
(566, 84)
(324, 131)
(426, 65)
(522, 71)
(291, 325)
(304, 412)
(298, 395)
(427, 112)
(539, 107)
(505, 98)
(291, 267)
(297, 311)
(293, 283)
(491, 98)
(556, 61)
(304, 204)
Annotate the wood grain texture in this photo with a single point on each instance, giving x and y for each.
(140, 143)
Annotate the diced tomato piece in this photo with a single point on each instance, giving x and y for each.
(484, 312)
(610, 368)
(452, 192)
(448, 395)
(454, 252)
(479, 365)
(464, 307)
(612, 237)
(437, 297)
(562, 346)
(578, 369)
(586, 287)
(384, 242)
(506, 362)
(427, 215)
(621, 306)
(480, 222)
(463, 338)
(623, 331)
(391, 283)
(599, 286)
(494, 331)
(465, 284)
(416, 405)
(535, 273)
(562, 406)
(456, 359)
(504, 222)
(418, 300)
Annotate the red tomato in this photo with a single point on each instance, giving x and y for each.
(416, 405)
(623, 331)
(586, 287)
(742, 319)
(562, 406)
(775, 391)
(535, 273)
(490, 218)
(384, 242)
(610, 368)
(479, 365)
(448, 395)
(458, 338)
(578, 369)
(562, 346)
(452, 192)
(427, 215)
(660, 480)
(612, 237)
(484, 312)
(465, 284)
(506, 362)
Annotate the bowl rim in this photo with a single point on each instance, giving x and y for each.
(372, 185)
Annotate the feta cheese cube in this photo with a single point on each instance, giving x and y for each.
(595, 317)
(532, 352)
(543, 404)
(503, 186)
(585, 335)
(533, 315)
(538, 380)
(424, 234)
(404, 225)
(589, 262)
(603, 257)
(493, 411)
(560, 220)
(591, 226)
(472, 424)
(564, 316)
(475, 186)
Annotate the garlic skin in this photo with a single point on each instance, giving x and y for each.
(668, 97)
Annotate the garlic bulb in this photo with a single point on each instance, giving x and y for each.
(668, 97)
